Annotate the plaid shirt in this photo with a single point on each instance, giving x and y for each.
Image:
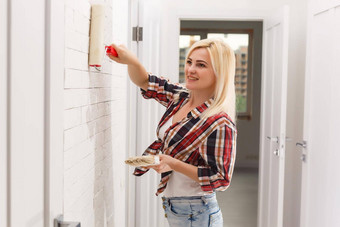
(209, 144)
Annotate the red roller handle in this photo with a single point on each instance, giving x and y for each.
(111, 50)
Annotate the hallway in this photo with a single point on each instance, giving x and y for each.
(67, 128)
(239, 202)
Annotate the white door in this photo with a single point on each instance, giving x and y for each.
(31, 99)
(26, 114)
(320, 191)
(273, 119)
(149, 211)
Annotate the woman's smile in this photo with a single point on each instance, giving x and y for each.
(192, 78)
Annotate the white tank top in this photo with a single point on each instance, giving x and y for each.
(179, 184)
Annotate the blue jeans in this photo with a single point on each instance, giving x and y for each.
(193, 211)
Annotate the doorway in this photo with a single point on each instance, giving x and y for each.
(245, 38)
(161, 24)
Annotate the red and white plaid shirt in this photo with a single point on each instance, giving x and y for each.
(209, 144)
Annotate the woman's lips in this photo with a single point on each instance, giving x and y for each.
(192, 78)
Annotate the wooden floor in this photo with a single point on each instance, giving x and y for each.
(239, 202)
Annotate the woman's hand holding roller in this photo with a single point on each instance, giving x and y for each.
(125, 56)
(137, 72)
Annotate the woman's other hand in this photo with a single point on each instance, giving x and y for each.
(168, 163)
(125, 56)
(165, 165)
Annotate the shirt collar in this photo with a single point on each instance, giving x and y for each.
(197, 111)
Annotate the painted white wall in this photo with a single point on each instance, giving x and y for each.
(297, 46)
(94, 120)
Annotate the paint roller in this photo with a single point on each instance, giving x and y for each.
(97, 48)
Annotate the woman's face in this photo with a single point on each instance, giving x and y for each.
(199, 74)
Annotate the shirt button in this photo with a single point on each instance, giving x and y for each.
(164, 207)
(166, 216)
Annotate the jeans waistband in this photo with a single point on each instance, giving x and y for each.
(204, 198)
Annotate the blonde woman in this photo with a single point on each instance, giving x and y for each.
(197, 134)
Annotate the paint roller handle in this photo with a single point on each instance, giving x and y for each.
(112, 51)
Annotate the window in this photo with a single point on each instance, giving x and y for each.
(185, 42)
(240, 37)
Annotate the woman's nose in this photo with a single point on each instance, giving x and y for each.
(191, 69)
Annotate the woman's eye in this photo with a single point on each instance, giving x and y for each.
(188, 62)
(201, 65)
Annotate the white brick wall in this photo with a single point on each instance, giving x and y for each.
(94, 121)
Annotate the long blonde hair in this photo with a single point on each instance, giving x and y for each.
(223, 63)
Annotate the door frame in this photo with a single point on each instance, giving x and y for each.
(238, 15)
(304, 181)
(132, 107)
(232, 15)
(3, 112)
(54, 110)
(282, 12)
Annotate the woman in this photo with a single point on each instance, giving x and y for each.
(196, 136)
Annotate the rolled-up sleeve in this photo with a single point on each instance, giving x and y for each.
(219, 153)
(160, 89)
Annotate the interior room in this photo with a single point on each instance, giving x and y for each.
(71, 117)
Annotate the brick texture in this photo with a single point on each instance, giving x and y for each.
(94, 120)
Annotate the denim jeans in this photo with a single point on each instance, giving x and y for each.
(193, 211)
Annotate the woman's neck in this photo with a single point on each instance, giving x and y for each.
(198, 97)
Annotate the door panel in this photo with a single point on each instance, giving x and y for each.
(31, 114)
(278, 129)
(268, 99)
(320, 189)
(273, 119)
(26, 114)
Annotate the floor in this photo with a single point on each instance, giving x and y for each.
(239, 202)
